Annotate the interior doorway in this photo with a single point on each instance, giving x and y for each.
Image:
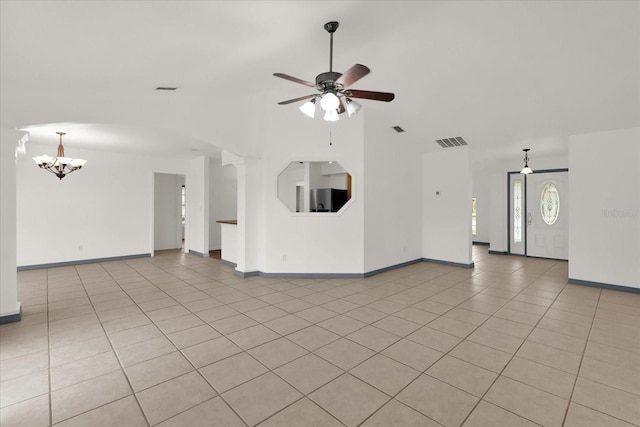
(538, 214)
(169, 211)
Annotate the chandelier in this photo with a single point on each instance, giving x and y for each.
(60, 165)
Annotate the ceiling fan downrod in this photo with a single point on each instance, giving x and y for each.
(331, 28)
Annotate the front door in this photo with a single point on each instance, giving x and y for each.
(546, 219)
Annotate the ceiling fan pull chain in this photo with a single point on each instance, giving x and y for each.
(330, 137)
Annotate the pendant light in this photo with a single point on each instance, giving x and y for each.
(526, 169)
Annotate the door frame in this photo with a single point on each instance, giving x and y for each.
(152, 213)
(525, 211)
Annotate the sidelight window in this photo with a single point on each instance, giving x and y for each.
(473, 217)
(517, 211)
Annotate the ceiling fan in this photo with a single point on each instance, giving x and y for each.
(335, 95)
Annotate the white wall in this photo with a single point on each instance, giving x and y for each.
(481, 183)
(337, 181)
(103, 210)
(392, 193)
(9, 304)
(307, 242)
(604, 219)
(197, 187)
(167, 211)
(223, 203)
(446, 226)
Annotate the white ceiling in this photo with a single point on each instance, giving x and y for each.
(503, 75)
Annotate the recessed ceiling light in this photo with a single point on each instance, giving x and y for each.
(398, 129)
(166, 88)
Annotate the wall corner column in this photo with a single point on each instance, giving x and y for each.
(248, 208)
(197, 186)
(10, 308)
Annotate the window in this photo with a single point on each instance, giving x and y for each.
(549, 203)
(517, 211)
(473, 216)
(184, 204)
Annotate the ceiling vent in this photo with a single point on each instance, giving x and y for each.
(451, 142)
(166, 88)
(398, 129)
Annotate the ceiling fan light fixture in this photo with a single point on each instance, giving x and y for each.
(352, 106)
(331, 116)
(309, 108)
(329, 101)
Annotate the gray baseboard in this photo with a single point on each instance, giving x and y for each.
(344, 275)
(498, 252)
(229, 263)
(80, 262)
(200, 254)
(11, 318)
(452, 264)
(313, 275)
(244, 274)
(392, 267)
(604, 285)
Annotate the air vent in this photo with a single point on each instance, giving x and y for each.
(398, 129)
(166, 88)
(451, 142)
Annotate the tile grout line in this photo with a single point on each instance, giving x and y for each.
(451, 286)
(306, 395)
(463, 339)
(165, 335)
(423, 372)
(514, 355)
(195, 369)
(584, 350)
(234, 287)
(111, 346)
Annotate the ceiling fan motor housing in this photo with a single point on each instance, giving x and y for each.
(331, 27)
(327, 81)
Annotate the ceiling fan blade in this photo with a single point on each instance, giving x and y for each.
(290, 101)
(294, 79)
(341, 108)
(367, 94)
(352, 75)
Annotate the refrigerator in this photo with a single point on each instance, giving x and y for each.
(327, 199)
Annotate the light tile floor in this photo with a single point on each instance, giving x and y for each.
(178, 340)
